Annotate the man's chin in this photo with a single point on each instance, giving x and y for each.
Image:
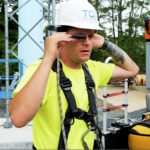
(85, 59)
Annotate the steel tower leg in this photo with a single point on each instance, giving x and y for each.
(7, 124)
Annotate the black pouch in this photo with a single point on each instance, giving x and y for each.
(117, 140)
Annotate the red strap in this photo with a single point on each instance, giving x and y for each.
(115, 94)
(115, 107)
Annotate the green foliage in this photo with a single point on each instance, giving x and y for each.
(13, 38)
(2, 37)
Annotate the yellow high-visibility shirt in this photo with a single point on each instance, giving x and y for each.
(47, 122)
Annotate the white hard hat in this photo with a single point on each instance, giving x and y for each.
(77, 13)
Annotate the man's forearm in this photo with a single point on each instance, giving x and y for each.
(125, 66)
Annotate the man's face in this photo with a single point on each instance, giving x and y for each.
(79, 50)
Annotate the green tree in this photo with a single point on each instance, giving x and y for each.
(2, 36)
(13, 36)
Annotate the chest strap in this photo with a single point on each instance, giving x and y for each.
(72, 110)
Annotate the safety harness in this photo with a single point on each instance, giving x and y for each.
(72, 110)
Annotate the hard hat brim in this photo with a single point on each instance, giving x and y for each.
(81, 26)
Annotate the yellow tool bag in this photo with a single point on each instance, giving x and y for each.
(139, 136)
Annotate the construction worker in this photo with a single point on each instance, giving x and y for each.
(36, 96)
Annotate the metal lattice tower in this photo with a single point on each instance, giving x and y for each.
(48, 14)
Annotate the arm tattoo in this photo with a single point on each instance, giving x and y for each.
(114, 50)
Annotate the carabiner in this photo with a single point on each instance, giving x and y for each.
(84, 143)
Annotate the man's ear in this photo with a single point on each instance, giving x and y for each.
(61, 44)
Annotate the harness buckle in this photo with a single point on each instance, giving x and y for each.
(66, 85)
(89, 118)
(86, 116)
(81, 115)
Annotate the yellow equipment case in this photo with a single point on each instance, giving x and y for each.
(139, 136)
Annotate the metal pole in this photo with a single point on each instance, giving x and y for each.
(148, 102)
(49, 17)
(104, 117)
(53, 12)
(126, 101)
(147, 39)
(105, 113)
(7, 124)
(147, 65)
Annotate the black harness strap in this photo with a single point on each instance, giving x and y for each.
(66, 85)
(72, 111)
(67, 124)
(90, 85)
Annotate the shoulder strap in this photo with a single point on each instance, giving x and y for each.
(66, 85)
(90, 86)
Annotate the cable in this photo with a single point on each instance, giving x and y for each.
(60, 103)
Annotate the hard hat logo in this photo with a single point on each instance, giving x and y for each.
(89, 14)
